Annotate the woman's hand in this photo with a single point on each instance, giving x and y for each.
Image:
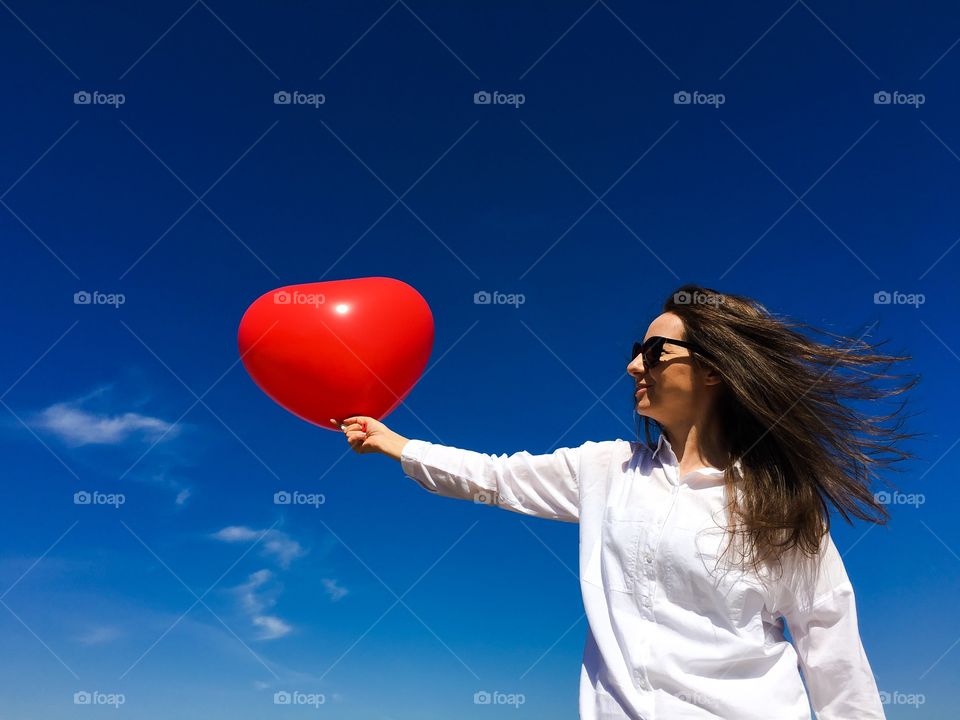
(369, 435)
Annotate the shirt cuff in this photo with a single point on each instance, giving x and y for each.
(411, 461)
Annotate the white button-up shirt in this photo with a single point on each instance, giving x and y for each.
(674, 634)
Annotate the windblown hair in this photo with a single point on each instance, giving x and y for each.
(782, 415)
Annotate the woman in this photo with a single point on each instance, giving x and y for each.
(695, 550)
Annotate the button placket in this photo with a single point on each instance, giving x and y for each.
(648, 552)
(647, 577)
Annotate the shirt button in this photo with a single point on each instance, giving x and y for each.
(649, 558)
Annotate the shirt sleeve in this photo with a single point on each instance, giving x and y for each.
(819, 606)
(544, 486)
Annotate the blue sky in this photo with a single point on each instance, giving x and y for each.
(786, 177)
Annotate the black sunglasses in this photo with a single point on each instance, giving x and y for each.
(653, 348)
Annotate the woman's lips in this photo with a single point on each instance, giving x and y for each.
(640, 390)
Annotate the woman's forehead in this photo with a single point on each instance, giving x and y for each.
(666, 325)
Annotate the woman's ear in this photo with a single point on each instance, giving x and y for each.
(711, 376)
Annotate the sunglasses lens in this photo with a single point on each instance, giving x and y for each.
(650, 351)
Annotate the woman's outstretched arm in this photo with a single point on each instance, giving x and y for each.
(544, 486)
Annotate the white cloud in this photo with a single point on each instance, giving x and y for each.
(258, 594)
(76, 426)
(271, 627)
(248, 592)
(237, 533)
(99, 635)
(276, 543)
(283, 547)
(333, 589)
(88, 420)
(168, 478)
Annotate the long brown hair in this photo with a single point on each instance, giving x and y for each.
(782, 415)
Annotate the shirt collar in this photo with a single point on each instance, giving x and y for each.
(702, 477)
(660, 444)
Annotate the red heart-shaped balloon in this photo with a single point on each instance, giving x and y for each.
(329, 350)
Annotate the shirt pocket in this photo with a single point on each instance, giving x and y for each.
(698, 578)
(623, 530)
